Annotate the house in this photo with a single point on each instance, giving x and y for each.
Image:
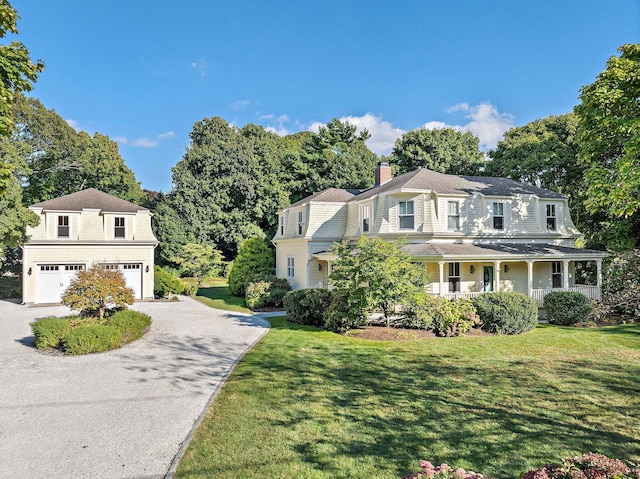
(79, 230)
(473, 234)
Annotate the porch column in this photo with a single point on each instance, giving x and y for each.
(529, 278)
(497, 278)
(565, 274)
(441, 267)
(599, 279)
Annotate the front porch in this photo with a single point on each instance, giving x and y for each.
(592, 292)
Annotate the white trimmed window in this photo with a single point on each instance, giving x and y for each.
(556, 274)
(291, 270)
(454, 277)
(551, 217)
(281, 225)
(118, 229)
(63, 226)
(365, 213)
(498, 216)
(300, 222)
(453, 215)
(405, 215)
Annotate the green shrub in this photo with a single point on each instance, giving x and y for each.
(131, 324)
(454, 318)
(50, 332)
(254, 258)
(506, 313)
(307, 306)
(567, 307)
(419, 313)
(344, 312)
(93, 338)
(189, 286)
(267, 291)
(166, 283)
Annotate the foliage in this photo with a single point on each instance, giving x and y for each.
(440, 315)
(254, 258)
(198, 261)
(344, 313)
(190, 286)
(609, 139)
(307, 306)
(131, 324)
(376, 273)
(215, 294)
(165, 282)
(17, 72)
(443, 471)
(446, 150)
(92, 338)
(93, 290)
(50, 332)
(567, 307)
(621, 285)
(266, 291)
(506, 312)
(587, 466)
(14, 218)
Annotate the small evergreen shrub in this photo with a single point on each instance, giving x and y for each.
(266, 291)
(131, 324)
(344, 313)
(254, 257)
(506, 312)
(420, 312)
(50, 332)
(93, 338)
(189, 286)
(567, 308)
(454, 318)
(166, 283)
(307, 306)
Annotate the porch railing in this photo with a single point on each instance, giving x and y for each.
(592, 292)
(467, 295)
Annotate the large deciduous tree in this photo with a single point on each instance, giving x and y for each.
(446, 150)
(609, 139)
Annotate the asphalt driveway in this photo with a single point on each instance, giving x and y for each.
(120, 414)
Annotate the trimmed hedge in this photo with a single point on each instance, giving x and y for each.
(441, 315)
(165, 282)
(266, 291)
(506, 312)
(343, 313)
(567, 308)
(131, 324)
(50, 332)
(93, 338)
(308, 306)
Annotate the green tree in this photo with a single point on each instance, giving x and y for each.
(198, 261)
(377, 273)
(254, 258)
(609, 139)
(446, 150)
(93, 290)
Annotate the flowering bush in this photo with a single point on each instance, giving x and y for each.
(443, 471)
(587, 466)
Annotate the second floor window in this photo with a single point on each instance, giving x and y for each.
(556, 274)
(118, 230)
(498, 216)
(454, 277)
(281, 225)
(300, 222)
(291, 271)
(406, 216)
(63, 226)
(366, 218)
(551, 217)
(453, 215)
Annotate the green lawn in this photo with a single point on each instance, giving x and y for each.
(306, 403)
(214, 293)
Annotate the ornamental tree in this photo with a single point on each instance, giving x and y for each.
(94, 290)
(198, 261)
(254, 258)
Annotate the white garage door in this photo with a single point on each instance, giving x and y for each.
(52, 280)
(132, 274)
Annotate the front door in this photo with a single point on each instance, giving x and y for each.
(487, 278)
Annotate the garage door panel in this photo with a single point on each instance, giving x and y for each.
(52, 281)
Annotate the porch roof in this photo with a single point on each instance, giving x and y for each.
(499, 251)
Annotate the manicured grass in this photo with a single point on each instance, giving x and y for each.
(215, 294)
(305, 403)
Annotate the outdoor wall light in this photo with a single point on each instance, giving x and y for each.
(146, 270)
(30, 271)
(472, 269)
(506, 268)
(319, 266)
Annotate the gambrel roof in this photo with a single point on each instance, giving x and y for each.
(90, 198)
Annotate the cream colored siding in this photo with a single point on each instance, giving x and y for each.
(516, 279)
(92, 226)
(317, 277)
(298, 249)
(327, 220)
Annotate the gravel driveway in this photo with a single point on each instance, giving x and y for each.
(120, 414)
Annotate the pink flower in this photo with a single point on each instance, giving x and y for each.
(461, 472)
(426, 465)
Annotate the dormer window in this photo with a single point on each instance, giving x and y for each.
(498, 216)
(366, 218)
(118, 230)
(453, 215)
(551, 217)
(63, 226)
(300, 223)
(281, 225)
(406, 215)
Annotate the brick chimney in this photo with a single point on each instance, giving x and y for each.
(383, 173)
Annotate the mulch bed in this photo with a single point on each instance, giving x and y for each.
(382, 333)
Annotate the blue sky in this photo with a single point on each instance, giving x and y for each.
(142, 72)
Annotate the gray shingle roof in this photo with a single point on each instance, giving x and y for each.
(496, 250)
(90, 199)
(330, 195)
(424, 179)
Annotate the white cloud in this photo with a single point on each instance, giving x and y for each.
(73, 124)
(169, 134)
(383, 133)
(280, 130)
(236, 105)
(270, 116)
(144, 143)
(278, 126)
(121, 139)
(201, 66)
(457, 107)
(284, 119)
(438, 125)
